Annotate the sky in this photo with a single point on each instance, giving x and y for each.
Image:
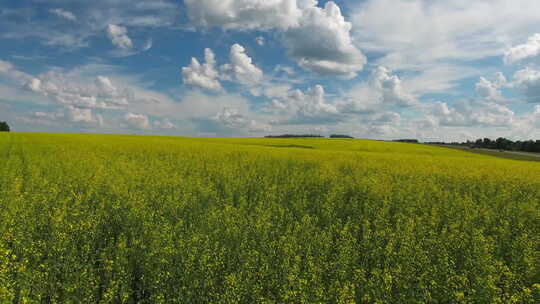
(435, 70)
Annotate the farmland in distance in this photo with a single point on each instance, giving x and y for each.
(141, 219)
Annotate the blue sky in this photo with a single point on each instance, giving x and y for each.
(427, 69)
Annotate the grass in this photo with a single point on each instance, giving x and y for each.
(142, 219)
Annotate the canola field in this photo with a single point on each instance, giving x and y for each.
(140, 219)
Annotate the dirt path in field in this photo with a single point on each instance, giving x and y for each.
(518, 153)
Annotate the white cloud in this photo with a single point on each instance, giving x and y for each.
(260, 40)
(491, 89)
(241, 66)
(383, 90)
(386, 118)
(419, 32)
(231, 118)
(61, 87)
(147, 45)
(322, 42)
(204, 76)
(63, 14)
(240, 69)
(284, 69)
(164, 124)
(389, 85)
(245, 14)
(272, 90)
(137, 121)
(48, 115)
(80, 89)
(118, 36)
(308, 107)
(437, 78)
(469, 113)
(520, 52)
(5, 66)
(536, 116)
(7, 69)
(438, 40)
(527, 82)
(318, 39)
(80, 115)
(92, 18)
(70, 115)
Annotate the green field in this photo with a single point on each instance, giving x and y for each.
(139, 219)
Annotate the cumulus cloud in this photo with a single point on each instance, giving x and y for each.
(287, 70)
(202, 75)
(391, 89)
(383, 90)
(164, 124)
(76, 89)
(309, 107)
(92, 18)
(260, 40)
(491, 89)
(231, 118)
(386, 118)
(536, 116)
(423, 36)
(272, 90)
(318, 39)
(322, 42)
(5, 66)
(469, 113)
(48, 115)
(102, 94)
(530, 49)
(381, 93)
(80, 115)
(63, 14)
(70, 115)
(420, 32)
(147, 45)
(118, 36)
(8, 70)
(245, 14)
(137, 121)
(242, 67)
(527, 82)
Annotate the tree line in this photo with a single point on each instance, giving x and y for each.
(4, 127)
(500, 143)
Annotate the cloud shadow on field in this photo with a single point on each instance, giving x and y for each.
(291, 146)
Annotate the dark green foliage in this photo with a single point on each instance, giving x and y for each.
(340, 136)
(411, 141)
(500, 143)
(4, 127)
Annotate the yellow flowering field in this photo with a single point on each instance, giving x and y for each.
(141, 219)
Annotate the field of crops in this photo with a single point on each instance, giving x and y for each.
(140, 219)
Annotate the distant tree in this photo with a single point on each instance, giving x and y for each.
(503, 144)
(411, 141)
(340, 136)
(4, 127)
